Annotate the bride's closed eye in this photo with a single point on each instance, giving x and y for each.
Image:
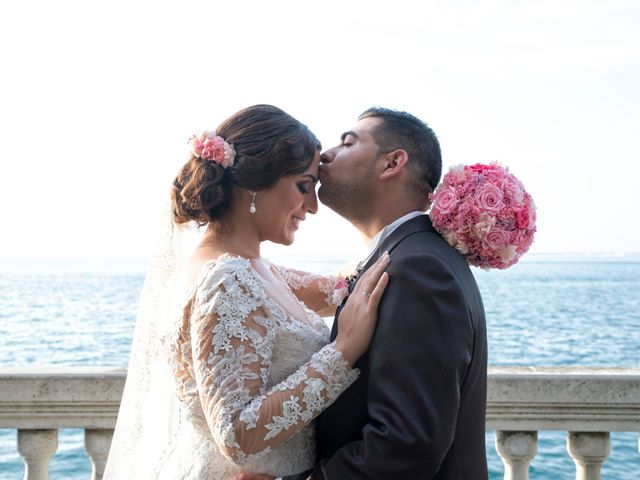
(304, 187)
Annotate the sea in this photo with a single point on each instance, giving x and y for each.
(548, 310)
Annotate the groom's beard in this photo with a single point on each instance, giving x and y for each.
(349, 197)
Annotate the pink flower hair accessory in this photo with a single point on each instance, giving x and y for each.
(485, 213)
(213, 148)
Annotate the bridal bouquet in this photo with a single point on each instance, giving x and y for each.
(485, 213)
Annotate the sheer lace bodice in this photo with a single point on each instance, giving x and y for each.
(320, 293)
(252, 372)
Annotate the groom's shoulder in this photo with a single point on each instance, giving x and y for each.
(427, 252)
(427, 243)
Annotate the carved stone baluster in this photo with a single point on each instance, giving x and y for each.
(36, 448)
(516, 449)
(589, 451)
(97, 443)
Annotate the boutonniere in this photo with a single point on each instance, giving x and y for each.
(344, 285)
(340, 290)
(350, 280)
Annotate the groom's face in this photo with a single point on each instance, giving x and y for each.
(347, 172)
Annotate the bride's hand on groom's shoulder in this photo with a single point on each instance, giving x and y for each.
(252, 476)
(359, 315)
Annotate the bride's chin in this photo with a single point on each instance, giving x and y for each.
(285, 240)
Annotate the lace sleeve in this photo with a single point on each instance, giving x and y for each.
(322, 294)
(232, 341)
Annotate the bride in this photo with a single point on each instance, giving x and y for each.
(230, 362)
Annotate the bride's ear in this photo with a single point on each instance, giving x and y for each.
(393, 163)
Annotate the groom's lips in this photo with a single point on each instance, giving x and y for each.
(321, 171)
(297, 221)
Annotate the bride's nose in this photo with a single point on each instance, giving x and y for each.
(311, 203)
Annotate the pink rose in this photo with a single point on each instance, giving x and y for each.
(445, 199)
(497, 239)
(489, 198)
(513, 190)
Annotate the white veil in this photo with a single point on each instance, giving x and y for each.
(148, 416)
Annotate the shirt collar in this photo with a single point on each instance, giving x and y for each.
(382, 235)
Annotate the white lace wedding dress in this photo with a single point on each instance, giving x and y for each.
(253, 368)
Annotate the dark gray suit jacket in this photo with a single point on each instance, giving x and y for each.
(417, 411)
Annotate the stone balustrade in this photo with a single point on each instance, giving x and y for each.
(39, 401)
(587, 403)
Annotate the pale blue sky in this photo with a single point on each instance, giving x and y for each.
(97, 101)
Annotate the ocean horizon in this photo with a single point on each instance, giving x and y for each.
(138, 264)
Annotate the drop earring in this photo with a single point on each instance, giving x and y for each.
(252, 206)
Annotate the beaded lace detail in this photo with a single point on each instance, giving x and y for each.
(245, 370)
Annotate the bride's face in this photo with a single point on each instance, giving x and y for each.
(282, 208)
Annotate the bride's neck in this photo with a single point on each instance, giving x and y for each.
(235, 241)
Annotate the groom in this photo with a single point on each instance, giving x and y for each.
(417, 411)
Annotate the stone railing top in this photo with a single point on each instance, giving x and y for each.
(73, 384)
(564, 398)
(565, 384)
(519, 398)
(566, 371)
(60, 397)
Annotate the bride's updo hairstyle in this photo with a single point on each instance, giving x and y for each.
(269, 144)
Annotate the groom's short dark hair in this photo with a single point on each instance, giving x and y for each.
(401, 130)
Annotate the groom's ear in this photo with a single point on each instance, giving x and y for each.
(393, 163)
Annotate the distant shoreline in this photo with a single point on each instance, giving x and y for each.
(138, 266)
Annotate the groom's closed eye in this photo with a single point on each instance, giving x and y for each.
(348, 138)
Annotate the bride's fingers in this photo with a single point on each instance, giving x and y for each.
(376, 294)
(372, 275)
